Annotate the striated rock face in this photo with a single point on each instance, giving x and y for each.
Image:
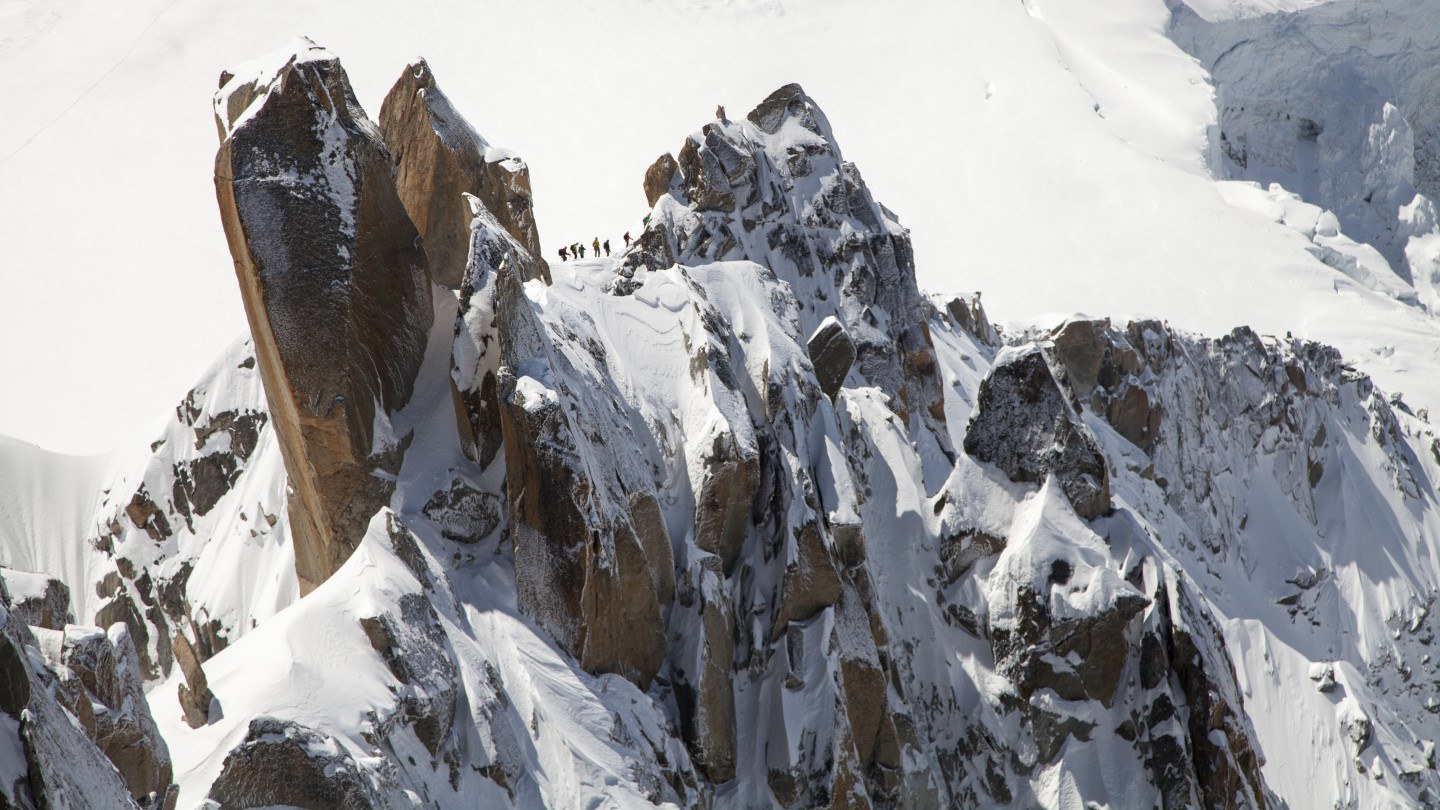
(439, 158)
(1024, 425)
(335, 288)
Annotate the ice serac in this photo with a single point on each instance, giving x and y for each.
(335, 287)
(439, 158)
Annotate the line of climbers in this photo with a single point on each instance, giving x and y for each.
(577, 250)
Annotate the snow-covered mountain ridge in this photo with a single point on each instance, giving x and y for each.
(737, 517)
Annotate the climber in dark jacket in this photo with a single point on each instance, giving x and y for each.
(563, 255)
(627, 239)
(582, 251)
(607, 247)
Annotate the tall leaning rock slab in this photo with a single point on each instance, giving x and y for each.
(439, 158)
(335, 285)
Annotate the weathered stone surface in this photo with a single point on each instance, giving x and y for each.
(1024, 425)
(38, 600)
(702, 664)
(124, 728)
(283, 763)
(581, 573)
(476, 355)
(463, 513)
(811, 582)
(1079, 658)
(1101, 369)
(727, 494)
(969, 315)
(195, 695)
(832, 352)
(438, 159)
(14, 679)
(53, 758)
(335, 288)
(658, 178)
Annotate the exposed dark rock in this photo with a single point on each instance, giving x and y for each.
(659, 177)
(584, 578)
(1102, 370)
(49, 608)
(1024, 425)
(145, 514)
(14, 679)
(463, 513)
(726, 497)
(335, 287)
(832, 352)
(283, 763)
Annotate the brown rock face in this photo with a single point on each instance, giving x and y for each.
(439, 158)
(335, 288)
(727, 493)
(195, 694)
(658, 178)
(1101, 368)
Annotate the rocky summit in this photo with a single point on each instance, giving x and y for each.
(735, 517)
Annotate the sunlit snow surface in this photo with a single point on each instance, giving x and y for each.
(1050, 153)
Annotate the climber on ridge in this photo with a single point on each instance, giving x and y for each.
(607, 247)
(582, 251)
(563, 255)
(627, 239)
(596, 245)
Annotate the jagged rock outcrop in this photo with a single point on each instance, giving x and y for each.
(38, 600)
(438, 159)
(597, 598)
(1102, 370)
(969, 315)
(832, 352)
(659, 177)
(1024, 425)
(194, 694)
(775, 189)
(335, 288)
(117, 716)
(284, 763)
(52, 759)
